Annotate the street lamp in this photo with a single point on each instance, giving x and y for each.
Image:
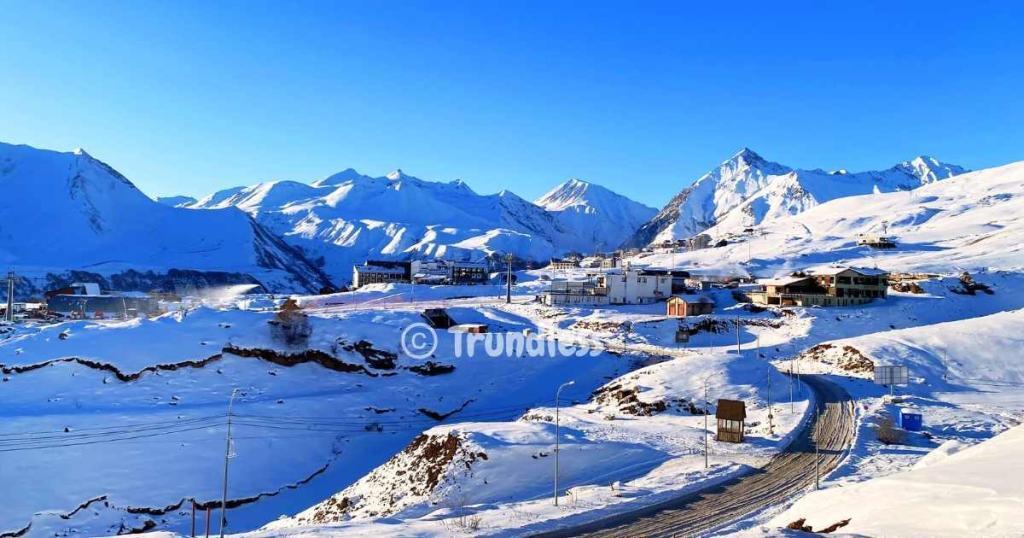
(706, 402)
(557, 394)
(227, 456)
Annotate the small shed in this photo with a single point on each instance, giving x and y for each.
(731, 415)
(475, 328)
(438, 318)
(911, 421)
(689, 306)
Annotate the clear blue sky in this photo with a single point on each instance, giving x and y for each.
(643, 97)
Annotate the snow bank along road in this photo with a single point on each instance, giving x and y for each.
(785, 477)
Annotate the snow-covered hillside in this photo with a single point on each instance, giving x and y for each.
(968, 222)
(973, 492)
(595, 214)
(349, 217)
(68, 211)
(747, 190)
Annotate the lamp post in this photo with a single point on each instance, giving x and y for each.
(706, 402)
(227, 456)
(557, 394)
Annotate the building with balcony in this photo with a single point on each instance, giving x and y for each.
(829, 286)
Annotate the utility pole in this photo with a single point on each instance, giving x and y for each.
(508, 280)
(792, 405)
(227, 456)
(9, 314)
(557, 394)
(817, 477)
(739, 350)
(771, 414)
(706, 403)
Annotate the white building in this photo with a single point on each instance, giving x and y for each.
(574, 293)
(85, 288)
(635, 286)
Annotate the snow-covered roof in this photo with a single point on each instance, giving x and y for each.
(782, 281)
(377, 269)
(829, 270)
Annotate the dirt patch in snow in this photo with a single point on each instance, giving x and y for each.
(847, 358)
(799, 525)
(416, 474)
(291, 359)
(626, 401)
(430, 368)
(601, 325)
(441, 416)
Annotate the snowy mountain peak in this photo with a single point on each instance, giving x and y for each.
(746, 190)
(929, 169)
(746, 154)
(571, 192)
(346, 175)
(397, 174)
(595, 213)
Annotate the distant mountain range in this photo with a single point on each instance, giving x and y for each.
(70, 214)
(348, 217)
(66, 216)
(747, 190)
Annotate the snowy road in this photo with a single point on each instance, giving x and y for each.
(784, 478)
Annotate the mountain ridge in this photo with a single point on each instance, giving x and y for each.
(747, 189)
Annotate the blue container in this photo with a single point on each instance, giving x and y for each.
(912, 422)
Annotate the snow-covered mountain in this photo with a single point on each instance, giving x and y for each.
(349, 217)
(602, 218)
(747, 190)
(64, 212)
(965, 223)
(175, 201)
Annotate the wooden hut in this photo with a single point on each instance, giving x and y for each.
(688, 306)
(731, 415)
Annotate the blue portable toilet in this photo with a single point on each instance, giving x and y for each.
(911, 421)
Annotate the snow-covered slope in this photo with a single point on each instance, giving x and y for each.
(349, 217)
(968, 222)
(747, 190)
(974, 492)
(593, 213)
(68, 211)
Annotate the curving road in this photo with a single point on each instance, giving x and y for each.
(782, 479)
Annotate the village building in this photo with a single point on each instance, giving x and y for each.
(575, 293)
(698, 242)
(381, 272)
(420, 271)
(84, 300)
(689, 306)
(698, 284)
(611, 262)
(679, 277)
(730, 416)
(635, 286)
(876, 241)
(832, 286)
(468, 272)
(560, 264)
